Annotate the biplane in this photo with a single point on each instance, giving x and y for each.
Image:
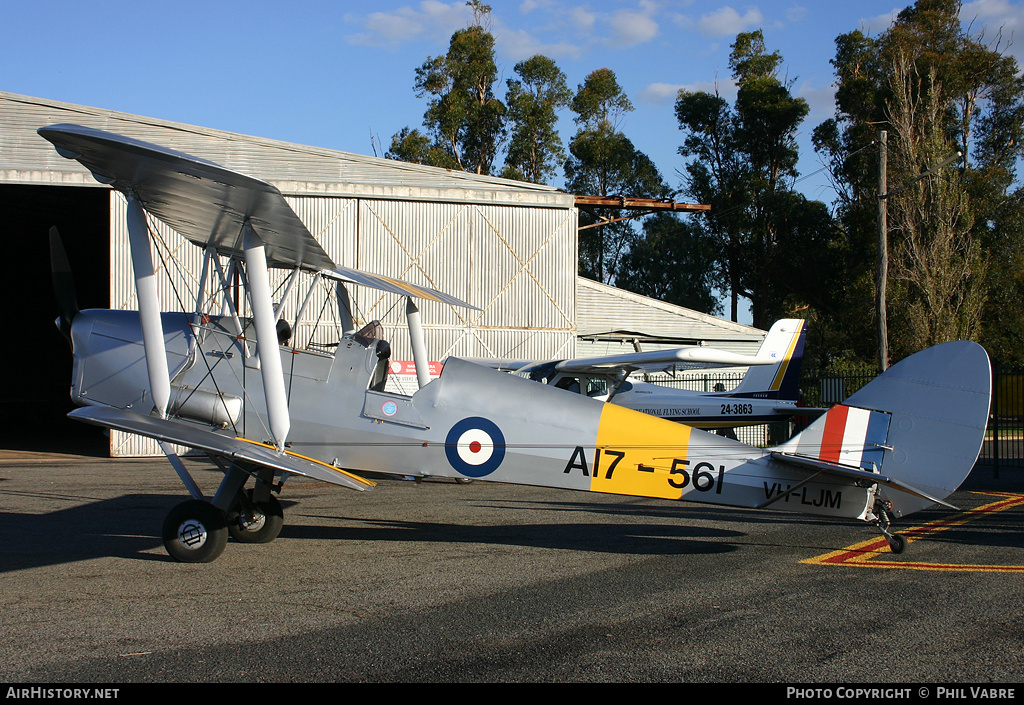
(226, 385)
(768, 391)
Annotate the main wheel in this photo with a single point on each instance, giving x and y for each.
(195, 532)
(265, 526)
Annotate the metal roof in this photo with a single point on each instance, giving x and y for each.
(605, 313)
(295, 169)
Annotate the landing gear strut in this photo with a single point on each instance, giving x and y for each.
(897, 542)
(197, 530)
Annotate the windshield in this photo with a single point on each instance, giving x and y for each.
(538, 371)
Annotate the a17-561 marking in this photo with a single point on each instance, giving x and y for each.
(702, 476)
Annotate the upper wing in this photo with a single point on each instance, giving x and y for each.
(233, 449)
(204, 202)
(395, 286)
(678, 359)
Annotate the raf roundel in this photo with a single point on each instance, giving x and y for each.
(475, 447)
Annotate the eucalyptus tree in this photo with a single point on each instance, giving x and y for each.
(673, 262)
(937, 88)
(535, 148)
(604, 162)
(464, 120)
(742, 161)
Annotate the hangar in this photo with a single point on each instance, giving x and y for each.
(507, 247)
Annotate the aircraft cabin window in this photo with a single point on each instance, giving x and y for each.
(596, 386)
(571, 384)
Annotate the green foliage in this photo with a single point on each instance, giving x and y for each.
(674, 262)
(936, 89)
(742, 161)
(600, 102)
(465, 120)
(535, 150)
(604, 162)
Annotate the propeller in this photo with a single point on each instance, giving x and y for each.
(63, 284)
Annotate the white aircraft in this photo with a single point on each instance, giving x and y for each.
(768, 392)
(213, 379)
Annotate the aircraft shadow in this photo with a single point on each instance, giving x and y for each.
(129, 526)
(641, 539)
(125, 526)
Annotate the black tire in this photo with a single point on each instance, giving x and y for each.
(195, 532)
(265, 529)
(897, 543)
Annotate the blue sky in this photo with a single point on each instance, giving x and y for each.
(340, 74)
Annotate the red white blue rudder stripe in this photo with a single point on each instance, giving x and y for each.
(846, 435)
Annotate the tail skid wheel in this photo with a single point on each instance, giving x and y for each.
(195, 532)
(255, 522)
(896, 542)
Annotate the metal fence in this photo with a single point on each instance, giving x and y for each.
(1004, 440)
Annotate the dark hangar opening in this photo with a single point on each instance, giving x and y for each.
(37, 361)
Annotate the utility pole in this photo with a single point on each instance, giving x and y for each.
(882, 274)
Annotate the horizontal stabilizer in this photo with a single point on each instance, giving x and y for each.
(920, 425)
(233, 449)
(855, 474)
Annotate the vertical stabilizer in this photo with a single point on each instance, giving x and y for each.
(921, 422)
(785, 343)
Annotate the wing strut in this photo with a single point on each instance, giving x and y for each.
(419, 347)
(266, 335)
(149, 307)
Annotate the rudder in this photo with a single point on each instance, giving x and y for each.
(785, 342)
(932, 411)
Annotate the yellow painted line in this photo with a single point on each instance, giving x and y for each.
(866, 554)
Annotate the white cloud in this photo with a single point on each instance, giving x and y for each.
(429, 19)
(726, 21)
(821, 101)
(796, 13)
(582, 20)
(997, 19)
(520, 44)
(631, 27)
(878, 24)
(660, 93)
(657, 93)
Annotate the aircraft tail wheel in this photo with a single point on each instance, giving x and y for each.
(267, 518)
(896, 543)
(195, 532)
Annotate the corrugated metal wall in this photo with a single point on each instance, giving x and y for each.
(517, 264)
(504, 246)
